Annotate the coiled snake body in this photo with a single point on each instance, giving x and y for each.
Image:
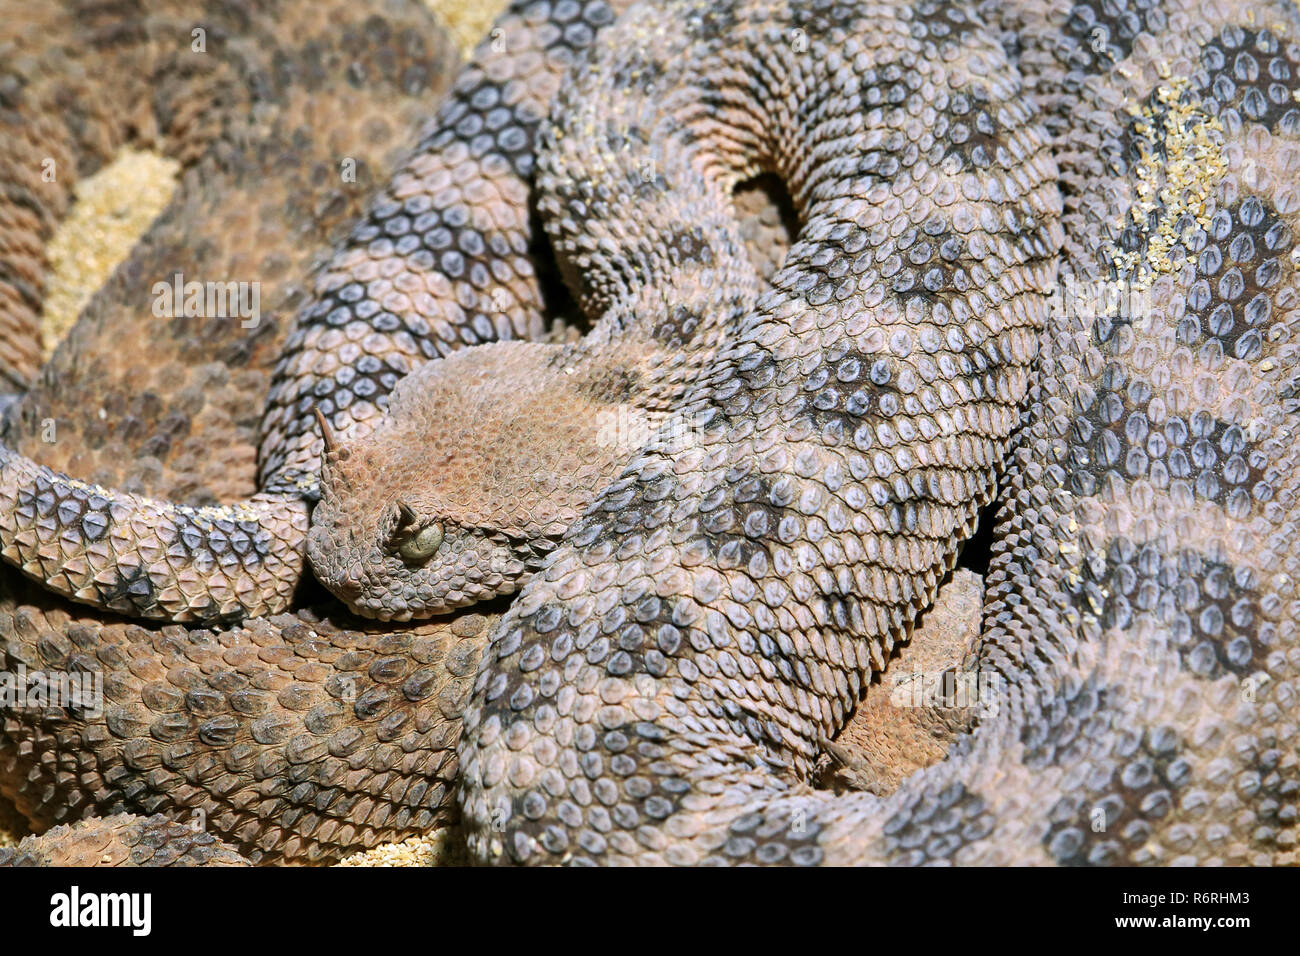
(704, 613)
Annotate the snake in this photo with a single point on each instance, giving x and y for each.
(1044, 263)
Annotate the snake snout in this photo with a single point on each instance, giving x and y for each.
(327, 549)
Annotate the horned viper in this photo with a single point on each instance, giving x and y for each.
(1044, 247)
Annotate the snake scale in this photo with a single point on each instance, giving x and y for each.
(1045, 259)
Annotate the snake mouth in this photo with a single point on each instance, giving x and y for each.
(388, 609)
(383, 612)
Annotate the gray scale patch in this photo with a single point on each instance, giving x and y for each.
(1251, 74)
(1210, 609)
(677, 327)
(1105, 31)
(133, 586)
(1066, 724)
(934, 824)
(849, 394)
(821, 17)
(970, 128)
(742, 518)
(942, 22)
(1239, 271)
(626, 769)
(689, 246)
(935, 263)
(1118, 817)
(1117, 434)
(773, 837)
(1271, 786)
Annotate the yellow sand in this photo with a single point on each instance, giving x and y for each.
(112, 209)
(443, 847)
(466, 20)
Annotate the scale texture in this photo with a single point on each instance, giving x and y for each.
(1044, 259)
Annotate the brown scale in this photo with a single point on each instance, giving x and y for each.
(295, 739)
(258, 198)
(122, 840)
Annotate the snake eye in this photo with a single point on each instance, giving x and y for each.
(421, 544)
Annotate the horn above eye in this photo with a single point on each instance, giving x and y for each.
(326, 431)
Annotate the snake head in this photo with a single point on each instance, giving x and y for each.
(459, 493)
(411, 561)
